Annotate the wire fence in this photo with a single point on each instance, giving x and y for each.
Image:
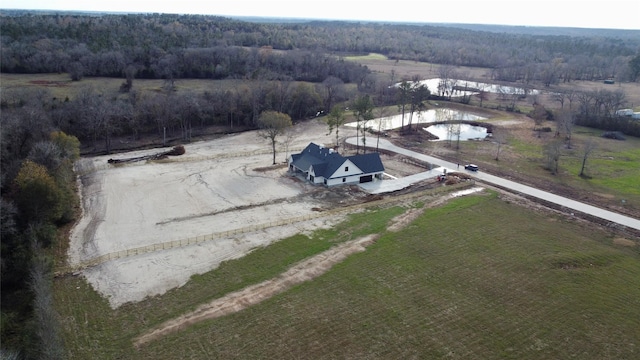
(259, 227)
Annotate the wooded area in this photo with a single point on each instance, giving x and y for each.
(295, 69)
(195, 46)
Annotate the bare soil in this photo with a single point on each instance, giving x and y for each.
(304, 271)
(222, 186)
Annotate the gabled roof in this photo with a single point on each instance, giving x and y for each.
(326, 161)
(317, 156)
(368, 163)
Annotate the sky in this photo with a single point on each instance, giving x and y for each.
(599, 14)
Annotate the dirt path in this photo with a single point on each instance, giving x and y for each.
(303, 271)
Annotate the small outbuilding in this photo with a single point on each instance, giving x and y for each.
(624, 112)
(321, 165)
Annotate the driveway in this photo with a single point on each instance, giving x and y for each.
(514, 186)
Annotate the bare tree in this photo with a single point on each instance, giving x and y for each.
(382, 111)
(457, 131)
(418, 94)
(282, 90)
(403, 98)
(482, 95)
(332, 88)
(559, 96)
(129, 72)
(539, 115)
(289, 136)
(448, 80)
(588, 147)
(565, 121)
(47, 154)
(571, 96)
(499, 140)
(451, 130)
(363, 111)
(273, 124)
(553, 152)
(335, 120)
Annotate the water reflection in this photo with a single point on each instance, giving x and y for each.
(457, 88)
(422, 117)
(455, 132)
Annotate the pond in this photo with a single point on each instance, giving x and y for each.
(456, 87)
(450, 132)
(422, 117)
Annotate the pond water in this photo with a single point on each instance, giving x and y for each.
(443, 87)
(422, 117)
(450, 132)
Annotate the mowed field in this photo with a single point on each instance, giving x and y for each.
(479, 277)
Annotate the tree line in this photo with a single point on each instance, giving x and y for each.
(97, 117)
(199, 46)
(38, 198)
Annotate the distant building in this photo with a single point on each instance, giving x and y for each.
(624, 112)
(321, 165)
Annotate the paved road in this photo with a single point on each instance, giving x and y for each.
(524, 189)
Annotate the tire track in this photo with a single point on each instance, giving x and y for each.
(305, 270)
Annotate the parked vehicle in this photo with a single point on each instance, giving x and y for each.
(471, 167)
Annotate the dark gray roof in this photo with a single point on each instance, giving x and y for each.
(368, 163)
(326, 161)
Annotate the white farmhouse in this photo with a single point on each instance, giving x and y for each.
(322, 165)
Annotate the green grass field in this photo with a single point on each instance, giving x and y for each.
(477, 278)
(612, 170)
(370, 56)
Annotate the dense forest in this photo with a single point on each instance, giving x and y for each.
(297, 68)
(194, 46)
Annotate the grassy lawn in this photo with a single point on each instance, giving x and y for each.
(93, 330)
(60, 86)
(612, 170)
(478, 277)
(370, 56)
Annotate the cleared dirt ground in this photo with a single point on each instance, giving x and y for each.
(221, 185)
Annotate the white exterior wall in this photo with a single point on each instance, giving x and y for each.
(353, 170)
(316, 179)
(352, 175)
(354, 179)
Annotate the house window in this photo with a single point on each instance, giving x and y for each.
(346, 168)
(344, 179)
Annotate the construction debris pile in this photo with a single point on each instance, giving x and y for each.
(176, 151)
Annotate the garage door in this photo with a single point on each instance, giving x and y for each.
(366, 179)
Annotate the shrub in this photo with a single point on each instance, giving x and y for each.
(616, 135)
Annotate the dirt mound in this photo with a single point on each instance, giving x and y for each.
(176, 151)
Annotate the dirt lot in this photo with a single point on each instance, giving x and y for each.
(219, 185)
